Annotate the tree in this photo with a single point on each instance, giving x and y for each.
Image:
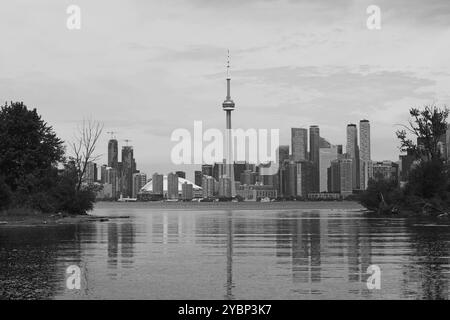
(29, 147)
(83, 148)
(428, 125)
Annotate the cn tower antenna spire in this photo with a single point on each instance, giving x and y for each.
(228, 65)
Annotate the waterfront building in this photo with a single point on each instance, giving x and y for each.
(139, 181)
(90, 174)
(207, 169)
(314, 155)
(113, 153)
(326, 155)
(299, 143)
(208, 186)
(172, 186)
(187, 191)
(198, 177)
(128, 169)
(341, 180)
(225, 187)
(353, 153)
(157, 184)
(364, 153)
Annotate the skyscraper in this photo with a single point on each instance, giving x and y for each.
(364, 138)
(353, 153)
(90, 174)
(326, 156)
(187, 191)
(283, 154)
(128, 168)
(113, 153)
(207, 169)
(314, 153)
(341, 177)
(198, 178)
(158, 184)
(172, 186)
(299, 142)
(208, 186)
(228, 106)
(139, 180)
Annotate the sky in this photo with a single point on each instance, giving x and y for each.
(145, 68)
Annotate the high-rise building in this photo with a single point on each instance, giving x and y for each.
(207, 169)
(326, 156)
(158, 184)
(364, 153)
(172, 186)
(139, 180)
(218, 170)
(283, 154)
(103, 173)
(208, 186)
(187, 191)
(225, 187)
(248, 177)
(198, 178)
(289, 172)
(341, 171)
(128, 168)
(90, 174)
(353, 153)
(181, 174)
(113, 153)
(111, 177)
(314, 154)
(304, 173)
(239, 167)
(299, 142)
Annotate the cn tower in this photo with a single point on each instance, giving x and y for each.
(228, 106)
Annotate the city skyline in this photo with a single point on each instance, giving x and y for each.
(294, 65)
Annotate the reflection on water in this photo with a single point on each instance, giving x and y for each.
(224, 254)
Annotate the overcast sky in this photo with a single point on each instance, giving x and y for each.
(145, 68)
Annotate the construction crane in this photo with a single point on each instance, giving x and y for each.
(112, 134)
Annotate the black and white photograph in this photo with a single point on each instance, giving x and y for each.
(201, 151)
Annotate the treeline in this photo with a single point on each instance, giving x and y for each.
(427, 189)
(35, 173)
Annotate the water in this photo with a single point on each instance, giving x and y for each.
(205, 251)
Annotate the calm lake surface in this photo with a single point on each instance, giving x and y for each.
(228, 251)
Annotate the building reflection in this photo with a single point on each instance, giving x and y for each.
(426, 277)
(113, 245)
(121, 240)
(229, 244)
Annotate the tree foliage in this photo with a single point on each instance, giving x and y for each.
(428, 126)
(428, 180)
(28, 146)
(34, 172)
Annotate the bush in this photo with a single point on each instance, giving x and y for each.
(371, 198)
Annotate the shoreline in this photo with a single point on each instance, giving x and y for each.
(48, 219)
(36, 219)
